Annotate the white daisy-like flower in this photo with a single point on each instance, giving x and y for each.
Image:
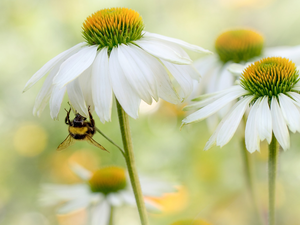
(106, 188)
(117, 59)
(270, 89)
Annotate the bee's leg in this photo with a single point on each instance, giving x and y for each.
(92, 121)
(67, 119)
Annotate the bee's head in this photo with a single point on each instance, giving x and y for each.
(78, 120)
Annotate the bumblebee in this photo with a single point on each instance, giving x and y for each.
(80, 129)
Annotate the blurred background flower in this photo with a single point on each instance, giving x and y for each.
(213, 180)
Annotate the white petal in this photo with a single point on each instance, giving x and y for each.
(264, 120)
(115, 199)
(214, 106)
(232, 122)
(153, 187)
(205, 64)
(177, 41)
(50, 64)
(236, 69)
(154, 69)
(45, 93)
(101, 87)
(52, 194)
(279, 126)
(80, 171)
(56, 99)
(226, 79)
(85, 81)
(128, 197)
(75, 65)
(100, 214)
(251, 132)
(162, 50)
(290, 112)
(295, 96)
(179, 72)
(134, 74)
(127, 98)
(74, 205)
(76, 97)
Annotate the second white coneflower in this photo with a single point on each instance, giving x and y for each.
(270, 88)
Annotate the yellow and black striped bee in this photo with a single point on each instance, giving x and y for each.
(80, 129)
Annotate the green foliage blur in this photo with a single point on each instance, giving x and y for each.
(212, 185)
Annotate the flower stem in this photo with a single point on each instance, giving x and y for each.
(111, 215)
(273, 158)
(129, 157)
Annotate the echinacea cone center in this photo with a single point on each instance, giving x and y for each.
(108, 180)
(111, 27)
(239, 45)
(270, 76)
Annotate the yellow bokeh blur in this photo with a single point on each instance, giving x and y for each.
(30, 139)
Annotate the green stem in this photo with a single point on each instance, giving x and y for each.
(129, 156)
(107, 138)
(273, 158)
(111, 215)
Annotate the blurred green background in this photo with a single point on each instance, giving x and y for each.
(212, 183)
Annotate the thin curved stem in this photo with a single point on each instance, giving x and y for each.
(272, 164)
(111, 141)
(129, 157)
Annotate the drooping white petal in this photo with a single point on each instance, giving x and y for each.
(76, 97)
(251, 132)
(75, 65)
(290, 112)
(264, 120)
(162, 50)
(56, 99)
(205, 64)
(115, 199)
(52, 194)
(57, 60)
(74, 205)
(204, 100)
(45, 92)
(295, 96)
(179, 72)
(100, 214)
(156, 70)
(226, 79)
(214, 106)
(128, 197)
(145, 62)
(154, 187)
(236, 69)
(85, 81)
(80, 171)
(178, 42)
(127, 98)
(101, 87)
(232, 122)
(134, 74)
(279, 126)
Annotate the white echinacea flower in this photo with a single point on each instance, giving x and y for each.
(103, 190)
(117, 59)
(270, 89)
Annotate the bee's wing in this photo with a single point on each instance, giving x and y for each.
(95, 143)
(66, 143)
